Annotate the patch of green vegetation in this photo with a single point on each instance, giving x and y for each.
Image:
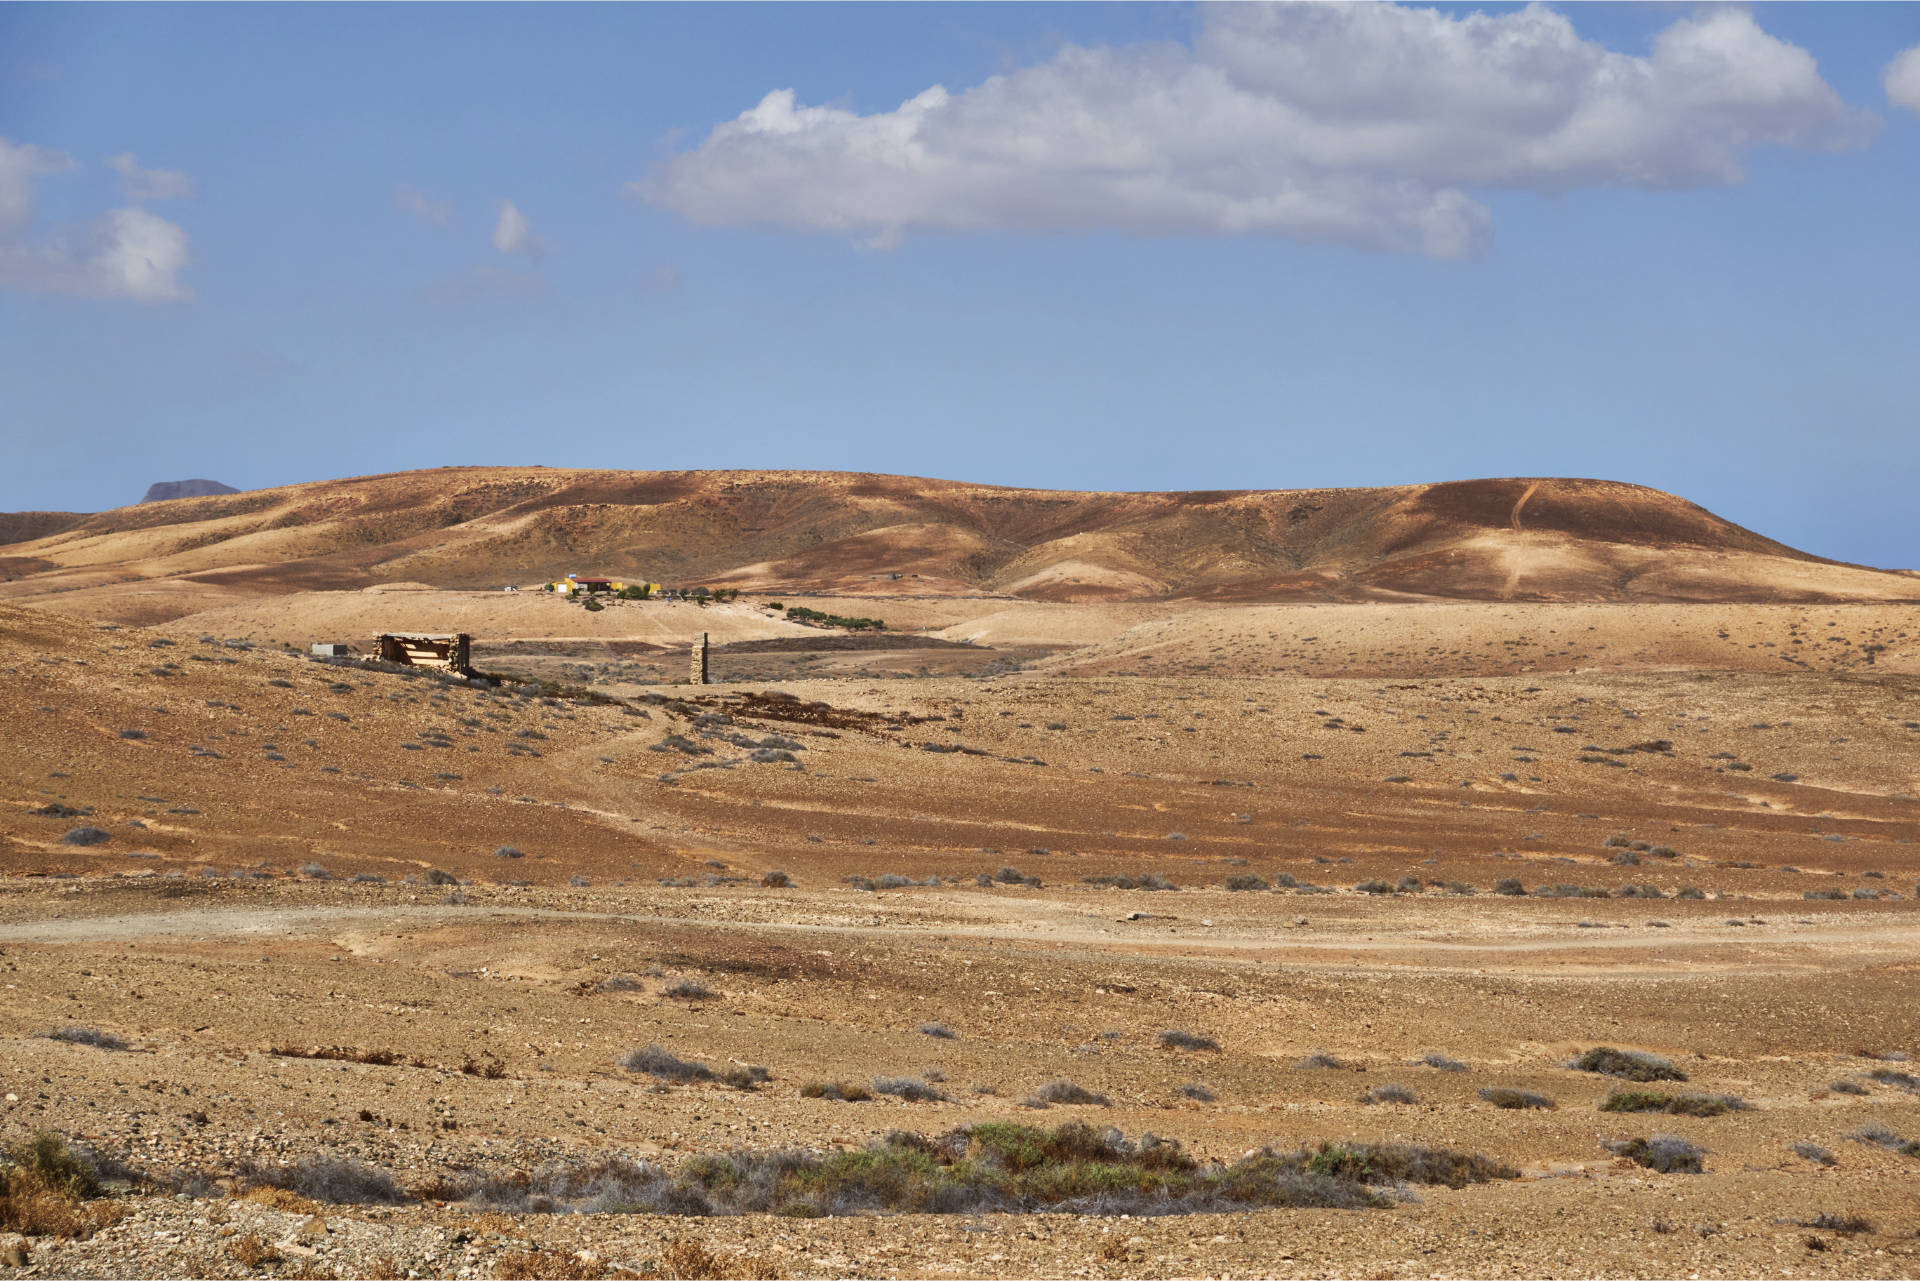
(1628, 1065)
(806, 615)
(1673, 1104)
(1004, 1167)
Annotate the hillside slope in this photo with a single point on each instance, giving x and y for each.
(853, 533)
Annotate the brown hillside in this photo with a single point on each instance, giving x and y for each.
(19, 527)
(852, 533)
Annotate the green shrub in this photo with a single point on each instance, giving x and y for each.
(1686, 1104)
(1628, 1065)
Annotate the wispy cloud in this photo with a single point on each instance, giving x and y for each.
(485, 284)
(432, 212)
(125, 253)
(1367, 125)
(513, 234)
(21, 166)
(149, 184)
(1902, 79)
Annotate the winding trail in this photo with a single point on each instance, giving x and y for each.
(1561, 952)
(1513, 519)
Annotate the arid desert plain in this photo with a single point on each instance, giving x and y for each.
(1512, 878)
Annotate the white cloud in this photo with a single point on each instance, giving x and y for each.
(433, 213)
(1365, 125)
(149, 184)
(513, 234)
(20, 164)
(127, 253)
(1903, 79)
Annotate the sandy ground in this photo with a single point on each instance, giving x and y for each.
(270, 822)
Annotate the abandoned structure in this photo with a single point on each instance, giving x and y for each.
(451, 652)
(697, 661)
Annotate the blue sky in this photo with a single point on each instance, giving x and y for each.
(1138, 247)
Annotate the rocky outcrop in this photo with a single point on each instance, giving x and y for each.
(161, 490)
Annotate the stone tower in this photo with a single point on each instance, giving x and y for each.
(697, 661)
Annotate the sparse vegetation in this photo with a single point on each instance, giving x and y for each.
(1815, 1153)
(847, 1091)
(994, 1168)
(1064, 1091)
(1442, 1062)
(1175, 1039)
(1513, 1100)
(1877, 1134)
(1390, 1093)
(1247, 881)
(805, 615)
(1195, 1091)
(1686, 1104)
(337, 1053)
(746, 1077)
(938, 1031)
(1628, 1065)
(332, 1180)
(251, 1253)
(658, 1061)
(1846, 1225)
(776, 881)
(688, 990)
(47, 1190)
(1318, 1060)
(911, 1089)
(74, 1034)
(1661, 1153)
(617, 983)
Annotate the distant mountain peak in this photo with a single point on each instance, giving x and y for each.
(161, 490)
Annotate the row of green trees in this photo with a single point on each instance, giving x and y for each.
(805, 615)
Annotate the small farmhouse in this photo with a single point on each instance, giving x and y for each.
(579, 585)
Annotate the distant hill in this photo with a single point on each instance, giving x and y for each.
(162, 490)
(1505, 539)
